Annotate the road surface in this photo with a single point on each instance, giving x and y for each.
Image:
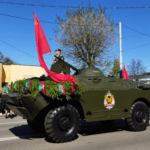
(15, 134)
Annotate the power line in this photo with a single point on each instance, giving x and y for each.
(136, 31)
(139, 46)
(26, 18)
(127, 7)
(44, 21)
(40, 5)
(18, 49)
(23, 4)
(133, 36)
(71, 24)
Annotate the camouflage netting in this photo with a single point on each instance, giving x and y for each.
(48, 88)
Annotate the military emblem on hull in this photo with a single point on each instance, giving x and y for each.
(109, 101)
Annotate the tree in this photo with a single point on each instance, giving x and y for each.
(1, 57)
(116, 68)
(6, 60)
(136, 68)
(87, 36)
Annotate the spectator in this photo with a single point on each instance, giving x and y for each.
(8, 112)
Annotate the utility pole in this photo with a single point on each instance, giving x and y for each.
(120, 50)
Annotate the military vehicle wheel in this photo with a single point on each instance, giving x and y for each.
(62, 124)
(138, 117)
(38, 127)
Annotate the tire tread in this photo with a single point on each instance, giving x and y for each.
(49, 127)
(131, 124)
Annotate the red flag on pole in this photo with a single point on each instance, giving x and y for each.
(41, 41)
(43, 48)
(125, 74)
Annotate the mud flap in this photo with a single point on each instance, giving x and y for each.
(21, 111)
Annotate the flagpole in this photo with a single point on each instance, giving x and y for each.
(120, 47)
(52, 54)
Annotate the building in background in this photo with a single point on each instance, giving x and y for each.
(145, 78)
(11, 73)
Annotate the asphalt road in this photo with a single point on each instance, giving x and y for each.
(15, 134)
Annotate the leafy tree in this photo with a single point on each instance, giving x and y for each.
(6, 60)
(87, 36)
(136, 68)
(116, 68)
(1, 57)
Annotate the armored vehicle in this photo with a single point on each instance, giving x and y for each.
(105, 98)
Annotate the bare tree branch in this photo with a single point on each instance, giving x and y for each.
(87, 36)
(136, 68)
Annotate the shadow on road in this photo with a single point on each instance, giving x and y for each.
(86, 128)
(25, 132)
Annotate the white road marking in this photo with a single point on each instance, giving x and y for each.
(13, 122)
(22, 137)
(9, 138)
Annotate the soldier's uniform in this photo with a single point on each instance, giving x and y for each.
(59, 56)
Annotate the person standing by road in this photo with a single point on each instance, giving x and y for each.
(8, 112)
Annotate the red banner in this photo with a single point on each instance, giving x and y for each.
(43, 48)
(125, 74)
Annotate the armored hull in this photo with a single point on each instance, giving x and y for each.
(105, 98)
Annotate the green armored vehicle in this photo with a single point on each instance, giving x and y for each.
(105, 98)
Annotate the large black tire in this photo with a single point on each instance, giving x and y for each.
(138, 117)
(36, 126)
(62, 123)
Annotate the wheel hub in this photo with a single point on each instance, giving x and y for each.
(65, 123)
(140, 116)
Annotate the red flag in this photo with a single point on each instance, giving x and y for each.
(125, 74)
(41, 41)
(43, 48)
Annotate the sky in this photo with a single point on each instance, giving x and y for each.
(17, 36)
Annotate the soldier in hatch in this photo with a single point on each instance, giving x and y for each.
(58, 54)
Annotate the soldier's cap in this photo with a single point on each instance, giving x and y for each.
(58, 50)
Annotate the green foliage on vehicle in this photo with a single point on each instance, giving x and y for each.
(51, 88)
